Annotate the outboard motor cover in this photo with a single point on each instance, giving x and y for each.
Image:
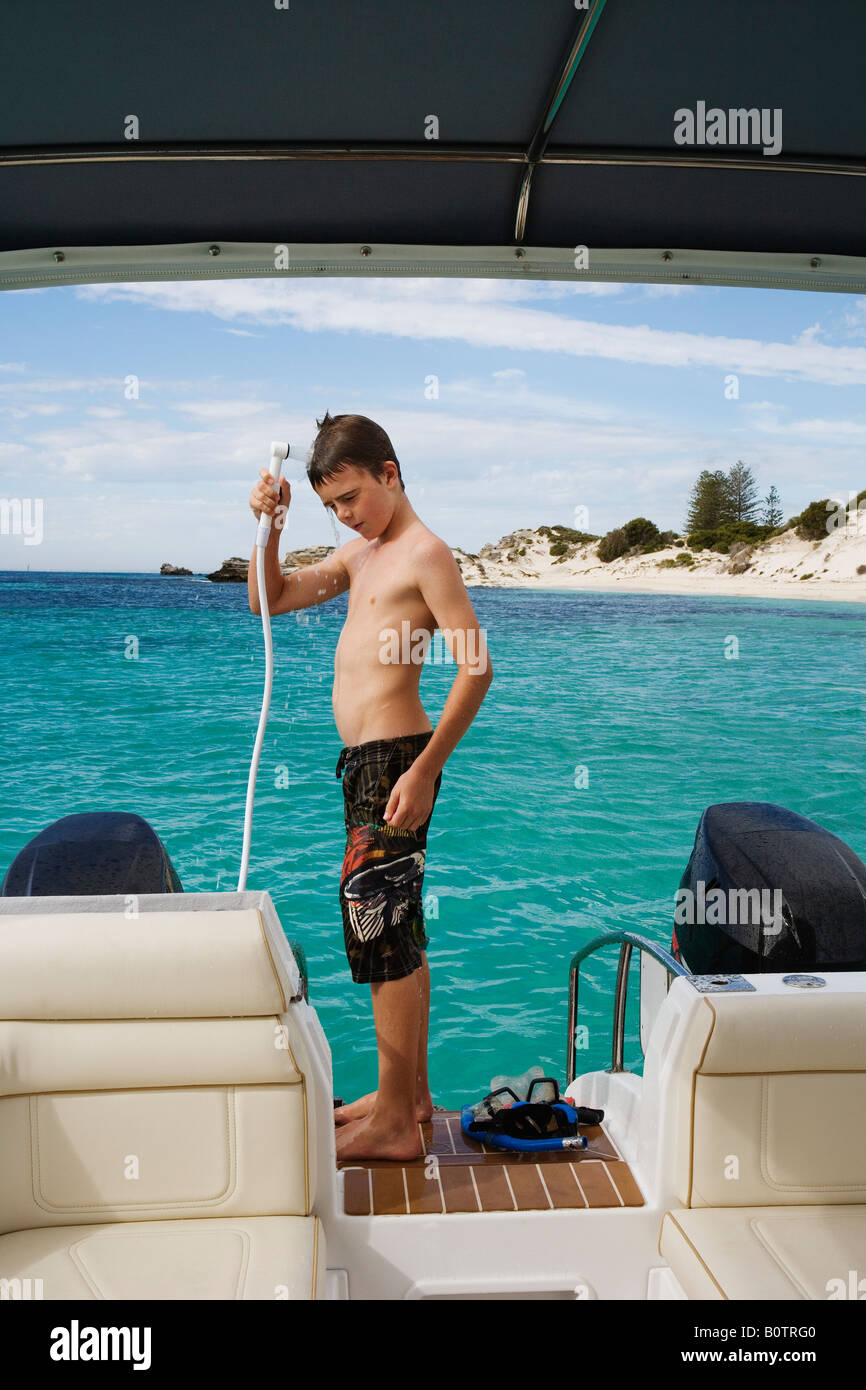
(767, 890)
(95, 853)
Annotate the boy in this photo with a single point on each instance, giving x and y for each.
(403, 583)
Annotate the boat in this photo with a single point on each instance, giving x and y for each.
(167, 1086)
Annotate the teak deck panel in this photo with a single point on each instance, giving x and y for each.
(470, 1177)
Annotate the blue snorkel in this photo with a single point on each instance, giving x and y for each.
(503, 1121)
(500, 1140)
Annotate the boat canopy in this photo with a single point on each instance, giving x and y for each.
(672, 142)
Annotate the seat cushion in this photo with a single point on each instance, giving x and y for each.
(180, 1153)
(766, 1252)
(186, 963)
(258, 1257)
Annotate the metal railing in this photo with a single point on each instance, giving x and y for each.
(627, 940)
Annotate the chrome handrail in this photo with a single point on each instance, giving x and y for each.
(627, 940)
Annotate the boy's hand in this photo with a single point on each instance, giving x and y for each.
(411, 800)
(263, 498)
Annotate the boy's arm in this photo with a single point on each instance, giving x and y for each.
(442, 588)
(309, 585)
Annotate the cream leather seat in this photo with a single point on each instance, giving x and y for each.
(771, 1146)
(767, 1252)
(154, 1130)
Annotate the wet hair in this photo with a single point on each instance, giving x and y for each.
(351, 439)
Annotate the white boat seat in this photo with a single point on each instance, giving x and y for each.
(155, 1140)
(769, 1119)
(771, 1099)
(766, 1252)
(260, 1257)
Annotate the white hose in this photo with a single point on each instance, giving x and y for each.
(279, 452)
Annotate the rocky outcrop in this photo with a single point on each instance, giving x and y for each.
(313, 555)
(235, 570)
(173, 569)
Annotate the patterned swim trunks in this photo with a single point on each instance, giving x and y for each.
(383, 868)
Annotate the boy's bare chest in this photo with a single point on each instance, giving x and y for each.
(384, 589)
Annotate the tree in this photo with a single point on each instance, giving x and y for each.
(742, 493)
(772, 514)
(640, 531)
(611, 546)
(709, 504)
(812, 522)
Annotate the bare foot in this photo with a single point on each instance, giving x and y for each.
(368, 1138)
(344, 1114)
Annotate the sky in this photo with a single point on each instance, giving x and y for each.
(137, 416)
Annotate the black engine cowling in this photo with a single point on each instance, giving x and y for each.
(768, 891)
(94, 853)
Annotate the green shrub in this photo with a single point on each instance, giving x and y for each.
(611, 546)
(559, 548)
(721, 538)
(812, 521)
(669, 563)
(685, 559)
(566, 533)
(642, 532)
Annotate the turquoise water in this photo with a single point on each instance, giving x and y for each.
(524, 867)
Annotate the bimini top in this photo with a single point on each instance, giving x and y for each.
(671, 141)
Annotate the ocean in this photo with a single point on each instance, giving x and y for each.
(568, 809)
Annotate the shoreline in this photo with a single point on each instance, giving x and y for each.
(833, 592)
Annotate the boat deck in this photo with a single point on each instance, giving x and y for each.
(459, 1175)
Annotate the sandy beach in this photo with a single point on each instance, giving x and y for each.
(785, 567)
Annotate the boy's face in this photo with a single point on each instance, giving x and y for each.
(360, 501)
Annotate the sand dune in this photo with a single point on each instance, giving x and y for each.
(784, 567)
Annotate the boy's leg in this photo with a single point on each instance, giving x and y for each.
(371, 855)
(390, 1130)
(423, 1099)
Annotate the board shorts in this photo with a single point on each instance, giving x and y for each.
(383, 868)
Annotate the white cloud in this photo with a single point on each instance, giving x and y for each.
(855, 318)
(16, 412)
(808, 335)
(69, 384)
(765, 419)
(225, 409)
(489, 314)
